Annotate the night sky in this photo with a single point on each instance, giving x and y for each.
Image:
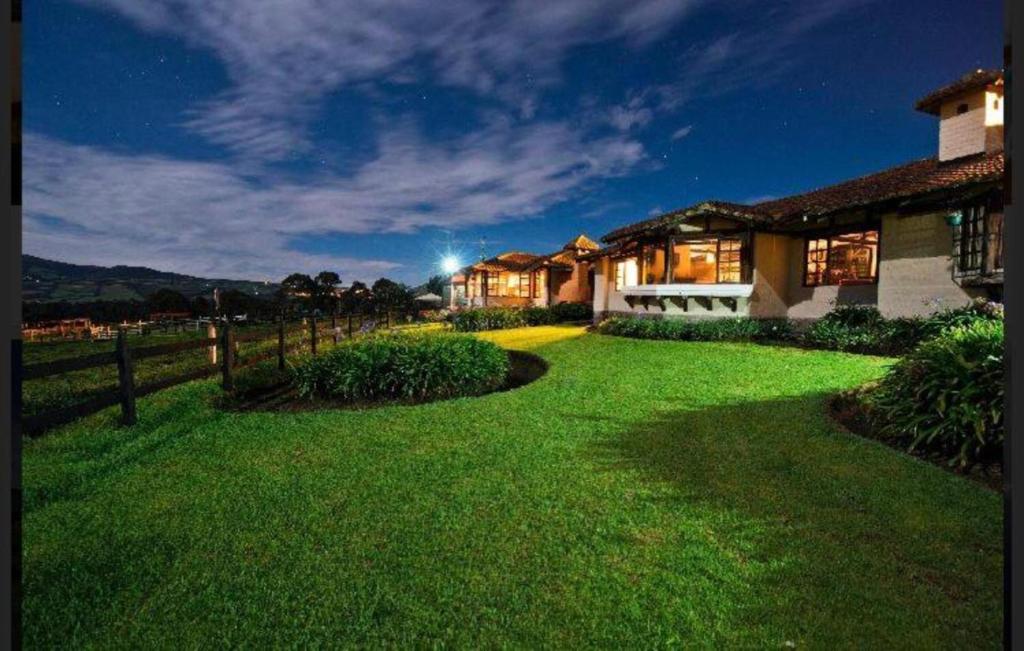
(249, 140)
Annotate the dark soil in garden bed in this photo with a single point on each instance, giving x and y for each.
(846, 409)
(524, 368)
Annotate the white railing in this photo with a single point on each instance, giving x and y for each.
(691, 290)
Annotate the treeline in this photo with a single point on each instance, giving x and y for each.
(299, 294)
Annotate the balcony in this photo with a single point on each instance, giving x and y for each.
(705, 293)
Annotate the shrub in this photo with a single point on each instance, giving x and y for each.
(863, 329)
(735, 329)
(488, 318)
(563, 312)
(979, 310)
(403, 367)
(499, 318)
(946, 396)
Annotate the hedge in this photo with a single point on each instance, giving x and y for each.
(415, 367)
(500, 318)
(851, 328)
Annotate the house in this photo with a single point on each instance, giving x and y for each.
(525, 279)
(910, 239)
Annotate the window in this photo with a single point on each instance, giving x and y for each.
(493, 281)
(524, 285)
(707, 261)
(512, 288)
(626, 273)
(476, 284)
(978, 243)
(846, 259)
(538, 279)
(653, 258)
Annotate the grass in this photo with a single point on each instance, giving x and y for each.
(640, 494)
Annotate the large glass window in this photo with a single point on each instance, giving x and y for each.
(538, 279)
(626, 273)
(524, 285)
(653, 259)
(846, 259)
(707, 261)
(493, 283)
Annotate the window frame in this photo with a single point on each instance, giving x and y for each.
(623, 261)
(828, 237)
(981, 219)
(744, 245)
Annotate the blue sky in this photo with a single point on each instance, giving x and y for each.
(250, 140)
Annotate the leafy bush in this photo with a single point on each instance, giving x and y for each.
(488, 318)
(736, 329)
(563, 312)
(979, 310)
(946, 396)
(403, 367)
(500, 318)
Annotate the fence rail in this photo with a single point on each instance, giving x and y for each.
(223, 349)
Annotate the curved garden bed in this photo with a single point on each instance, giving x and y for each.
(277, 392)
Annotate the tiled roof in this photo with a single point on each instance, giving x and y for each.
(931, 102)
(581, 241)
(713, 207)
(901, 182)
(511, 261)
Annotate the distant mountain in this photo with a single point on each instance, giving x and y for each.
(50, 281)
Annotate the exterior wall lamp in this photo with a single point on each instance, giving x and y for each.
(955, 218)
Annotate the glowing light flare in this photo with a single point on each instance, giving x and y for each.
(450, 264)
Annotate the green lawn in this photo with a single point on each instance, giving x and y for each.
(642, 493)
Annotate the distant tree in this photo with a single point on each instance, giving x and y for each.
(356, 298)
(234, 302)
(436, 285)
(300, 288)
(325, 287)
(391, 296)
(201, 306)
(167, 300)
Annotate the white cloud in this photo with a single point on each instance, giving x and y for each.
(283, 58)
(89, 204)
(632, 114)
(682, 132)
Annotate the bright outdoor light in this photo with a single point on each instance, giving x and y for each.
(450, 264)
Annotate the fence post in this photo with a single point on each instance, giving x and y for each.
(349, 326)
(228, 357)
(280, 343)
(387, 319)
(334, 327)
(211, 333)
(312, 335)
(125, 378)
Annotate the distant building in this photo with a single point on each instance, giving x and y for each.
(526, 279)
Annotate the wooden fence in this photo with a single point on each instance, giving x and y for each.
(223, 351)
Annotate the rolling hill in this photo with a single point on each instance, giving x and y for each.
(50, 281)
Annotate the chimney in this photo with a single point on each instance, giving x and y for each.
(970, 112)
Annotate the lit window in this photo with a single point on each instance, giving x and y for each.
(538, 278)
(847, 259)
(524, 285)
(626, 273)
(707, 261)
